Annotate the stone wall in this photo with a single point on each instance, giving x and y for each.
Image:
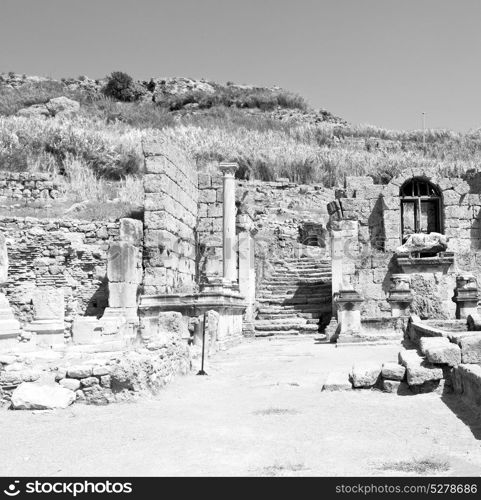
(286, 216)
(171, 199)
(65, 254)
(209, 226)
(371, 219)
(27, 186)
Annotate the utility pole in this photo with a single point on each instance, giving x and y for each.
(424, 132)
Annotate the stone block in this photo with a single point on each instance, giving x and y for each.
(393, 371)
(79, 371)
(417, 374)
(131, 231)
(467, 381)
(122, 263)
(86, 330)
(32, 396)
(409, 357)
(123, 294)
(449, 354)
(395, 387)
(172, 323)
(72, 384)
(337, 381)
(365, 375)
(471, 348)
(89, 381)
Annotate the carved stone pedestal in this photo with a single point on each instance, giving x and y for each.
(466, 296)
(48, 310)
(9, 326)
(348, 304)
(400, 295)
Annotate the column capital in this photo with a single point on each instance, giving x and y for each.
(228, 168)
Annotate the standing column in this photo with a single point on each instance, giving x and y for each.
(229, 236)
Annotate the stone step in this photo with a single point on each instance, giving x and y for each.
(295, 301)
(272, 333)
(293, 298)
(309, 285)
(276, 324)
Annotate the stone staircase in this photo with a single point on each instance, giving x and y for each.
(295, 299)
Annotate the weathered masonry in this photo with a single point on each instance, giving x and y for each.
(409, 247)
(121, 307)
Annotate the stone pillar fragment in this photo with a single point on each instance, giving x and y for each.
(247, 272)
(400, 295)
(48, 311)
(466, 296)
(229, 216)
(348, 303)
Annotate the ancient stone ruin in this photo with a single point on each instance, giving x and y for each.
(100, 311)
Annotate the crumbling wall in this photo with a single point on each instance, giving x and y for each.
(171, 198)
(369, 253)
(27, 186)
(65, 254)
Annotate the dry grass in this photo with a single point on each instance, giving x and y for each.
(105, 139)
(423, 466)
(276, 411)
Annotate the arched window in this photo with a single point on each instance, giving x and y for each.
(420, 208)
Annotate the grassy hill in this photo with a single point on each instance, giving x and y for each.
(270, 132)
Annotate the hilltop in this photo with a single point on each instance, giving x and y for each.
(88, 134)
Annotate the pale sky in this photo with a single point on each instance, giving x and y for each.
(382, 62)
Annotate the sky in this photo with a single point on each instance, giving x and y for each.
(381, 62)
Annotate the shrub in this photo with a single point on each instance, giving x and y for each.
(122, 87)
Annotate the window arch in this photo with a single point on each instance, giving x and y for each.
(421, 205)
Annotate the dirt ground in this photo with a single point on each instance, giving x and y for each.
(260, 411)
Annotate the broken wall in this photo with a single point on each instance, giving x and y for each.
(171, 199)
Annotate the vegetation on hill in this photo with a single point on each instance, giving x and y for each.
(269, 132)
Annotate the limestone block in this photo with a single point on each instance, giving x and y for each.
(448, 354)
(471, 348)
(86, 330)
(409, 357)
(131, 231)
(172, 323)
(430, 342)
(122, 263)
(79, 371)
(365, 375)
(393, 371)
(337, 381)
(3, 259)
(467, 381)
(451, 197)
(72, 384)
(123, 294)
(395, 387)
(32, 396)
(417, 374)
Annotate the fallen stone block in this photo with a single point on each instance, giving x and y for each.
(419, 374)
(467, 381)
(471, 348)
(337, 381)
(89, 382)
(409, 357)
(437, 386)
(80, 371)
(395, 387)
(393, 371)
(431, 342)
(70, 383)
(31, 396)
(449, 354)
(365, 375)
